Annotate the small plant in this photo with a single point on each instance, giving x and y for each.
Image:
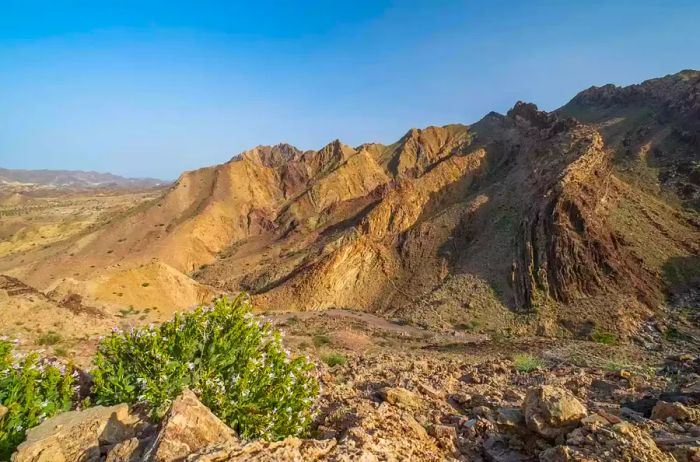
(334, 359)
(232, 360)
(525, 362)
(603, 337)
(321, 340)
(48, 339)
(31, 390)
(145, 284)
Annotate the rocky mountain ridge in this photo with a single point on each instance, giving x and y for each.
(589, 209)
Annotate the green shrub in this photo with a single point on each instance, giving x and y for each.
(31, 390)
(604, 337)
(525, 362)
(334, 359)
(232, 360)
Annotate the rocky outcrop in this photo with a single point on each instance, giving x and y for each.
(187, 427)
(566, 248)
(78, 435)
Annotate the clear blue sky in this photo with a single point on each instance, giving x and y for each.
(145, 88)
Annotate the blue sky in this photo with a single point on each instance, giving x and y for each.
(144, 88)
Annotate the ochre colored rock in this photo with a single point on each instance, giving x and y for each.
(187, 427)
(552, 411)
(76, 435)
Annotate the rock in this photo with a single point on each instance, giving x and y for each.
(3, 411)
(402, 398)
(613, 419)
(632, 415)
(552, 411)
(594, 420)
(76, 435)
(618, 442)
(557, 454)
(289, 449)
(604, 386)
(513, 396)
(188, 427)
(676, 411)
(446, 436)
(130, 450)
(497, 449)
(510, 417)
(430, 391)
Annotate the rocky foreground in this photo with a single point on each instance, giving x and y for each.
(407, 407)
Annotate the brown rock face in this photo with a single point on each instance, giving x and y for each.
(188, 427)
(566, 248)
(552, 411)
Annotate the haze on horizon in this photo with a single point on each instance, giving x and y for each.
(155, 88)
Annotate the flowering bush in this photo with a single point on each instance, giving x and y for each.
(30, 391)
(232, 360)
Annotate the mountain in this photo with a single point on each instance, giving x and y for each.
(74, 178)
(558, 223)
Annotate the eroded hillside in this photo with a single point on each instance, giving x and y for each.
(555, 223)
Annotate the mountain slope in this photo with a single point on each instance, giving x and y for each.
(558, 222)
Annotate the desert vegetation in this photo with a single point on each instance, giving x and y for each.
(232, 360)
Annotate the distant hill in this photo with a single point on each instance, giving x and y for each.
(74, 178)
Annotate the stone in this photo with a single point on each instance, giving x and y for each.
(595, 420)
(513, 396)
(130, 450)
(556, 454)
(402, 398)
(497, 449)
(76, 435)
(187, 427)
(289, 449)
(510, 416)
(430, 391)
(552, 411)
(446, 436)
(3, 411)
(663, 411)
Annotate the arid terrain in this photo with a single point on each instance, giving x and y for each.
(523, 288)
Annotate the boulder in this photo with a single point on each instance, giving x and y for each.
(552, 411)
(187, 427)
(77, 435)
